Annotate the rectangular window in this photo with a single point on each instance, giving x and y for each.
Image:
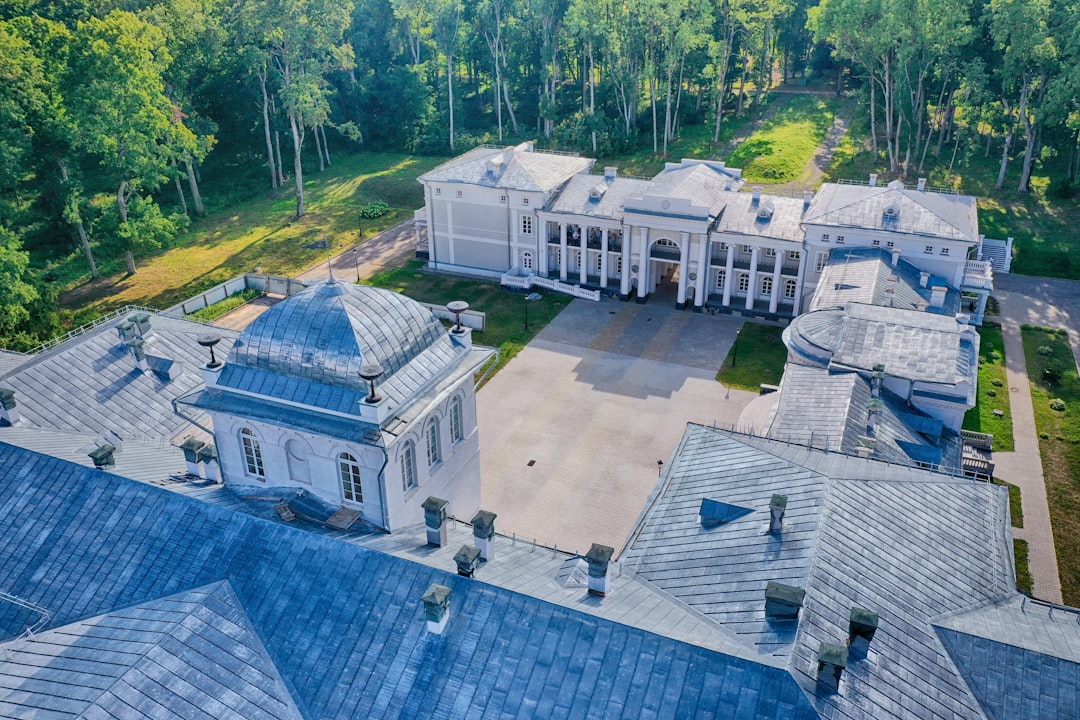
(438, 191)
(524, 201)
(929, 249)
(875, 243)
(825, 237)
(839, 239)
(890, 244)
(770, 252)
(793, 255)
(526, 224)
(766, 286)
(822, 259)
(723, 247)
(944, 251)
(459, 193)
(502, 198)
(744, 282)
(599, 263)
(721, 276)
(618, 266)
(746, 249)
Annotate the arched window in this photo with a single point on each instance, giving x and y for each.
(349, 469)
(766, 285)
(252, 453)
(408, 466)
(431, 441)
(789, 288)
(526, 260)
(455, 420)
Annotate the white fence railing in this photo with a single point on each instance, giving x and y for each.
(270, 284)
(516, 278)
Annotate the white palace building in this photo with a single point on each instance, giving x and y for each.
(520, 212)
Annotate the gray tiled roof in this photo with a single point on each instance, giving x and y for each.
(933, 214)
(90, 384)
(829, 410)
(517, 169)
(865, 275)
(741, 216)
(910, 545)
(344, 626)
(1023, 623)
(574, 198)
(704, 185)
(193, 653)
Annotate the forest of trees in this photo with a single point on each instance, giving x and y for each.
(112, 110)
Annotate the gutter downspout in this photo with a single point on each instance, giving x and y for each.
(191, 420)
(382, 484)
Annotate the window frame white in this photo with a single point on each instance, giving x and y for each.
(254, 466)
(351, 477)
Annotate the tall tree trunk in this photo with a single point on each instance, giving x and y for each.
(450, 94)
(325, 145)
(873, 118)
(277, 152)
(1031, 137)
(318, 148)
(179, 189)
(121, 206)
(274, 175)
(742, 91)
(297, 126)
(667, 106)
(652, 98)
(1004, 160)
(946, 121)
(509, 107)
(678, 100)
(592, 95)
(193, 184)
(729, 35)
(75, 218)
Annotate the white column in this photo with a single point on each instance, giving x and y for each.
(603, 257)
(583, 259)
(751, 288)
(776, 281)
(624, 253)
(563, 254)
(729, 277)
(796, 306)
(449, 232)
(702, 271)
(684, 266)
(643, 264)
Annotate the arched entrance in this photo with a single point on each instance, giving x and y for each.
(664, 256)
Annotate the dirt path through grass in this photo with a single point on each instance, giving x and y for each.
(814, 171)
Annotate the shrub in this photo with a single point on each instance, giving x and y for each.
(991, 393)
(374, 209)
(1051, 374)
(1045, 350)
(1057, 404)
(1044, 436)
(996, 383)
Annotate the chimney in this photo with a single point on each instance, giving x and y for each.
(8, 410)
(436, 608)
(102, 455)
(435, 520)
(142, 323)
(191, 448)
(483, 530)
(139, 353)
(873, 407)
(832, 659)
(467, 558)
(208, 459)
(861, 628)
(865, 446)
(599, 557)
(873, 179)
(529, 145)
(924, 278)
(937, 296)
(807, 198)
(756, 194)
(921, 186)
(876, 378)
(895, 257)
(777, 506)
(610, 173)
(127, 331)
(783, 602)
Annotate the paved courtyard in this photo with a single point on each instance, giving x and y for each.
(572, 428)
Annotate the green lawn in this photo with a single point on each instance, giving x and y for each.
(757, 357)
(779, 150)
(1016, 510)
(1044, 228)
(993, 392)
(505, 311)
(213, 312)
(1059, 444)
(257, 233)
(1023, 573)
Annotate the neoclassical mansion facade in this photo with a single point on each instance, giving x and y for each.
(691, 228)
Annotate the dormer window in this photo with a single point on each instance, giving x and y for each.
(891, 214)
(765, 211)
(598, 191)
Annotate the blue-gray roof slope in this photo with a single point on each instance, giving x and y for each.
(866, 275)
(343, 625)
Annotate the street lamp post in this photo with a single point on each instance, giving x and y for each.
(735, 347)
(531, 297)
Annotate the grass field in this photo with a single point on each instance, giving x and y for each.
(213, 312)
(1023, 573)
(779, 150)
(1044, 228)
(1059, 444)
(260, 233)
(993, 393)
(757, 356)
(505, 321)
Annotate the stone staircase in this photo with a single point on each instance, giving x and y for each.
(997, 252)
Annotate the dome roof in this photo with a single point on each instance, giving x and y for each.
(813, 337)
(329, 331)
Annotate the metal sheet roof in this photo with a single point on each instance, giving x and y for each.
(934, 214)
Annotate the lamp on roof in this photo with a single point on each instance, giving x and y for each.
(369, 374)
(209, 341)
(457, 307)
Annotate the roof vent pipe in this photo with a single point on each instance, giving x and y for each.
(610, 173)
(103, 455)
(139, 353)
(783, 602)
(873, 179)
(436, 608)
(435, 520)
(777, 508)
(467, 559)
(209, 463)
(142, 323)
(483, 529)
(756, 195)
(895, 256)
(937, 296)
(921, 186)
(191, 448)
(599, 558)
(8, 409)
(924, 278)
(807, 198)
(127, 332)
(832, 659)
